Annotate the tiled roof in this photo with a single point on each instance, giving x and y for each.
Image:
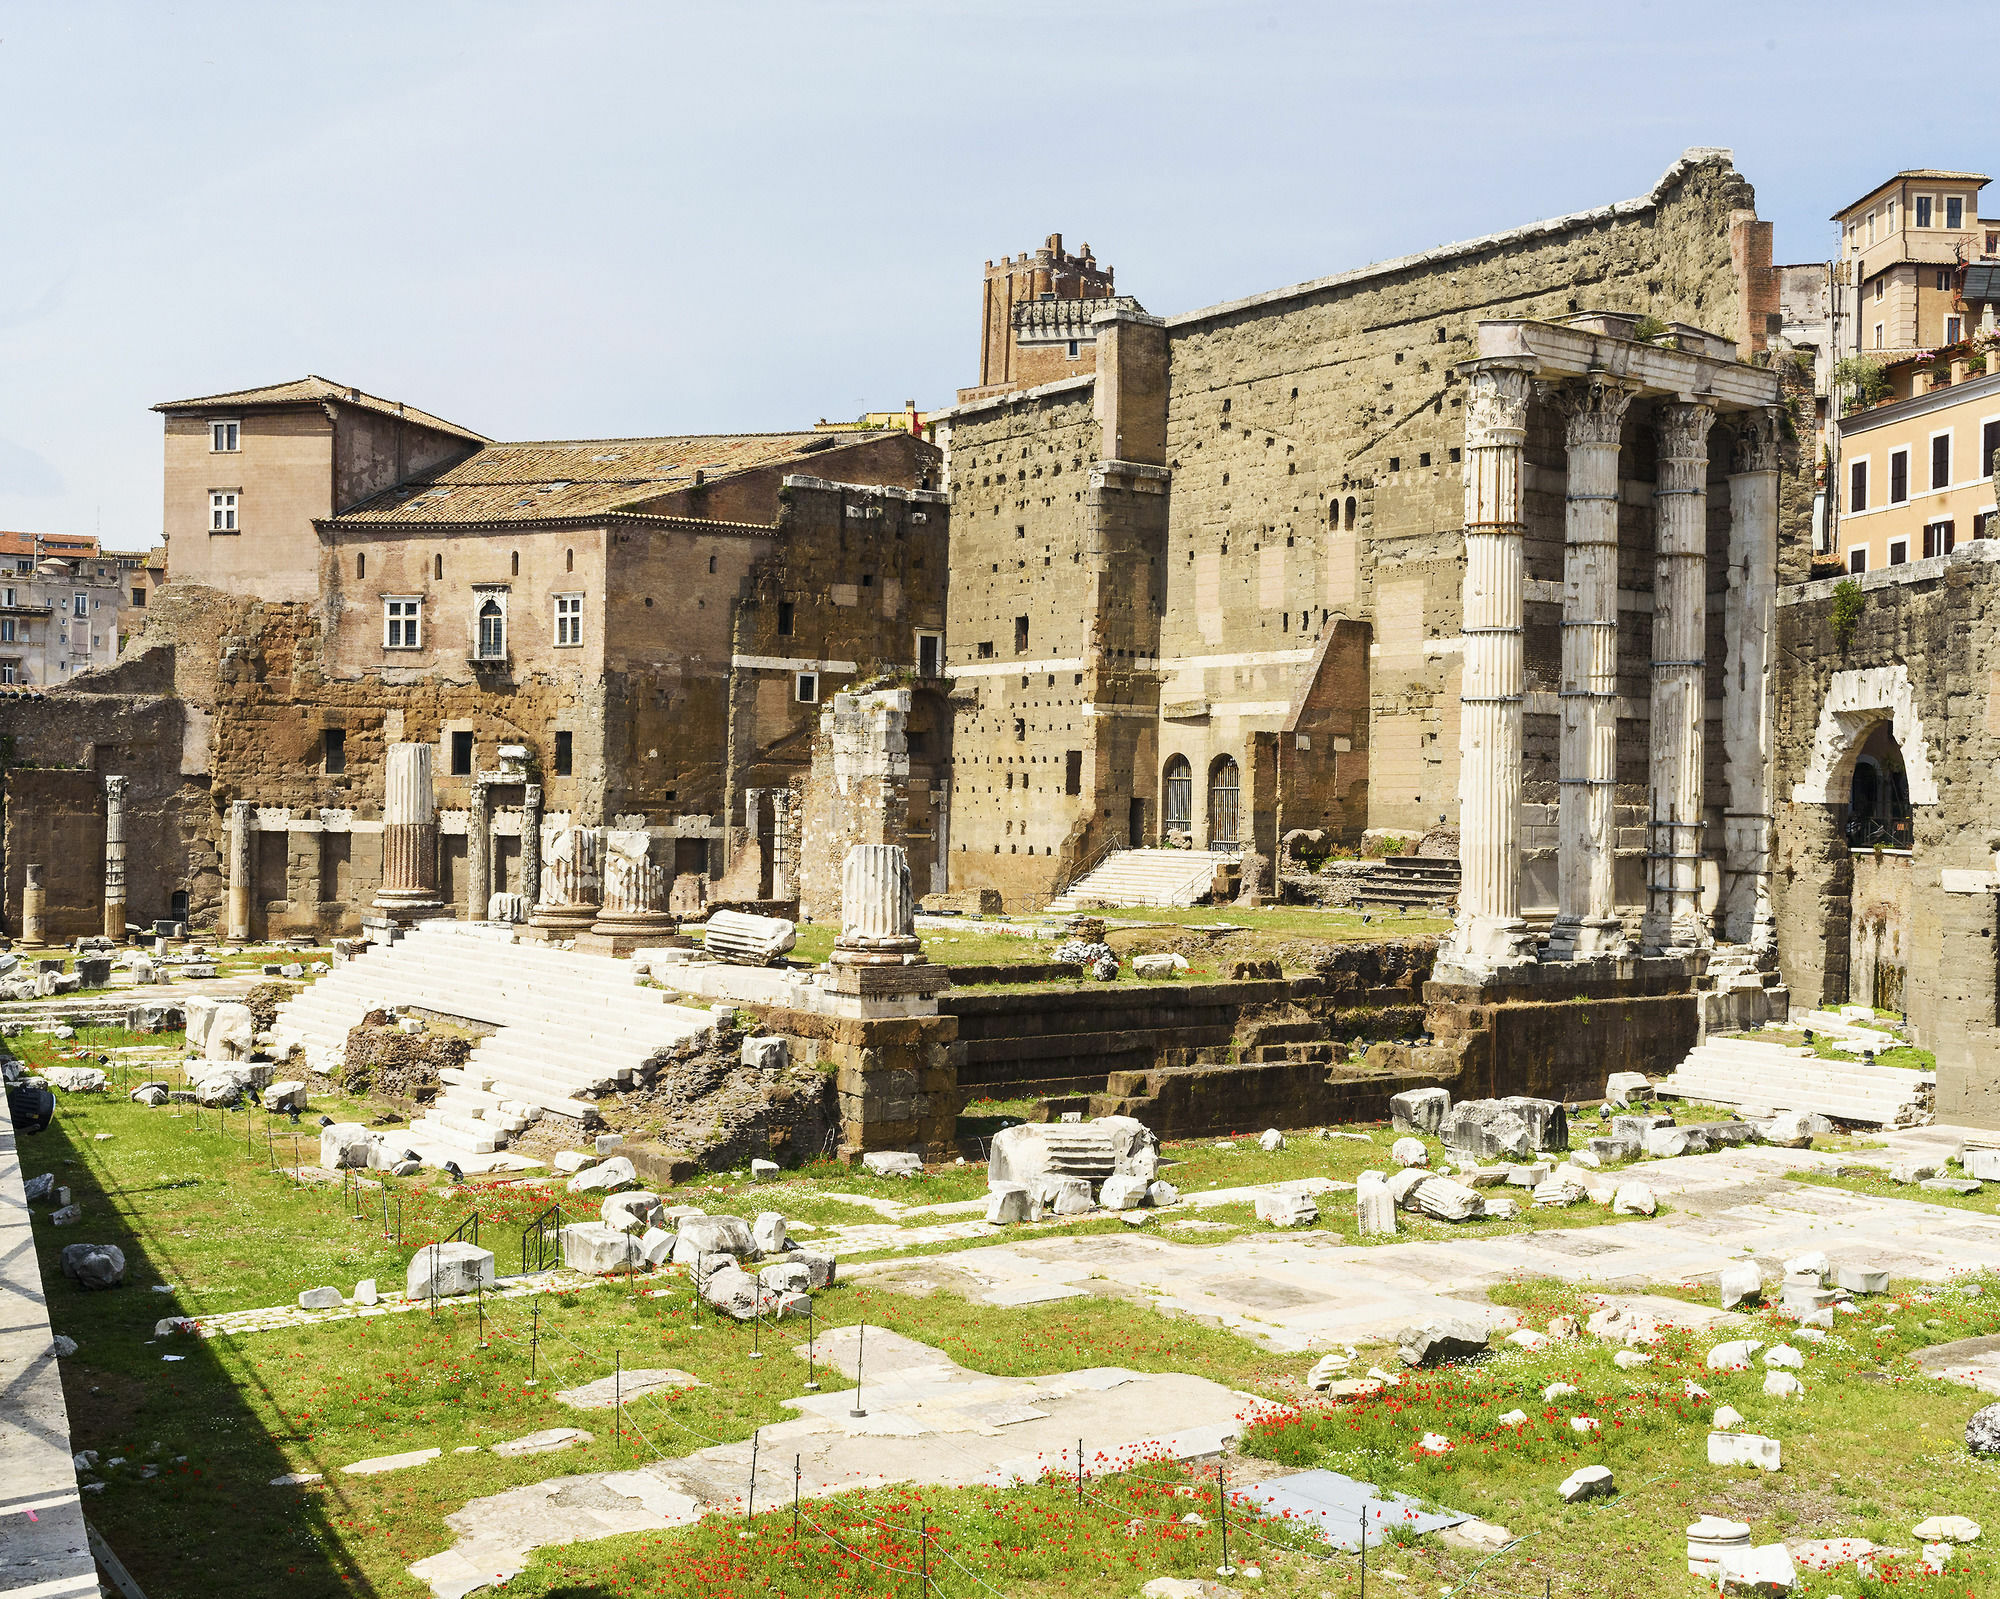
(583, 477)
(1982, 282)
(48, 544)
(1915, 175)
(309, 389)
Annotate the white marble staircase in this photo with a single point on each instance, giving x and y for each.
(1744, 1071)
(567, 1026)
(1142, 877)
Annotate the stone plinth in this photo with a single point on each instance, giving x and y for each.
(409, 837)
(571, 885)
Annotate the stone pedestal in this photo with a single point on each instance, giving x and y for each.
(1749, 686)
(114, 858)
(634, 910)
(242, 867)
(33, 901)
(1587, 920)
(571, 885)
(1488, 933)
(409, 838)
(1674, 919)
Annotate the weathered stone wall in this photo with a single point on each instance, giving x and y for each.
(896, 1078)
(1923, 658)
(55, 820)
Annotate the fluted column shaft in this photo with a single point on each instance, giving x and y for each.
(531, 841)
(1674, 919)
(1749, 683)
(409, 833)
(1586, 915)
(242, 847)
(34, 905)
(877, 911)
(478, 851)
(114, 858)
(1489, 929)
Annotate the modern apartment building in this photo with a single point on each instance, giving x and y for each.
(1904, 250)
(65, 605)
(1916, 472)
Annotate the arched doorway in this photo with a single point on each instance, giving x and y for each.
(1879, 839)
(1878, 796)
(1177, 803)
(1223, 790)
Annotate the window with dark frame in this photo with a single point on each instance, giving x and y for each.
(1899, 477)
(565, 752)
(787, 614)
(1020, 635)
(333, 750)
(1072, 771)
(461, 754)
(1941, 461)
(1857, 486)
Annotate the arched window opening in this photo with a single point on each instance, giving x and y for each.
(360, 565)
(1350, 513)
(492, 630)
(1179, 801)
(1223, 786)
(437, 568)
(569, 560)
(1878, 799)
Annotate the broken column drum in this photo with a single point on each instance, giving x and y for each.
(1674, 919)
(571, 882)
(114, 858)
(479, 849)
(1489, 931)
(409, 835)
(1750, 683)
(242, 848)
(877, 912)
(33, 901)
(531, 841)
(635, 889)
(1587, 920)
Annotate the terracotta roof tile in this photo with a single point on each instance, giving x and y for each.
(310, 388)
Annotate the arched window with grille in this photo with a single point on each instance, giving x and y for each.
(1178, 788)
(1223, 785)
(492, 629)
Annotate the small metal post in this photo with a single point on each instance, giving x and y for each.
(695, 1279)
(859, 1353)
(534, 1338)
(1364, 1551)
(924, 1555)
(756, 1322)
(1079, 1474)
(1222, 1498)
(399, 1219)
(750, 1512)
(479, 1297)
(796, 1466)
(618, 1395)
(812, 1386)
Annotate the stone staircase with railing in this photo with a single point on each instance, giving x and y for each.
(1408, 882)
(566, 1026)
(1143, 877)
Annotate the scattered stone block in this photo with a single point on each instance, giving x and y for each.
(328, 1298)
(1812, 1263)
(1513, 1418)
(703, 1236)
(630, 1212)
(1767, 1570)
(1065, 1196)
(1741, 1283)
(1374, 1207)
(1441, 1339)
(382, 1463)
(1783, 1385)
(1669, 1143)
(732, 1291)
(66, 1216)
(1006, 1203)
(545, 1442)
(1627, 1088)
(1733, 1448)
(1420, 1111)
(1727, 1418)
(609, 1142)
(1558, 1193)
(1783, 1357)
(765, 1171)
(1161, 1194)
(1484, 1129)
(766, 1053)
(1501, 1207)
(1950, 1185)
(1795, 1129)
(823, 1268)
(893, 1163)
(1983, 1164)
(1120, 1192)
(93, 1265)
(746, 940)
(1161, 965)
(1615, 1149)
(345, 1145)
(604, 1176)
(1912, 1168)
(1326, 1372)
(1558, 1390)
(1714, 1539)
(785, 1277)
(598, 1249)
(1633, 1199)
(1803, 1296)
(570, 1160)
(1408, 1152)
(1446, 1200)
(151, 1094)
(1529, 1176)
(1947, 1529)
(75, 1079)
(366, 1292)
(1280, 1210)
(1271, 1141)
(1734, 1355)
(1587, 1482)
(438, 1271)
(284, 1096)
(1638, 1124)
(1630, 1359)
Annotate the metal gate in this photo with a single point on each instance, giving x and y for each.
(1222, 795)
(1179, 805)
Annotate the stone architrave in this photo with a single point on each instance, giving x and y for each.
(1587, 922)
(571, 883)
(877, 911)
(242, 867)
(635, 890)
(114, 858)
(1489, 932)
(409, 837)
(1749, 686)
(34, 934)
(1674, 921)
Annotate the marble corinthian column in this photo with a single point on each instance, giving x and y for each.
(1587, 921)
(242, 864)
(114, 858)
(1489, 932)
(1674, 921)
(409, 836)
(1749, 682)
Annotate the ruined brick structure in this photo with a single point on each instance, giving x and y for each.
(1213, 587)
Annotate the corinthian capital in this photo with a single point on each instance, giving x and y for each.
(1684, 429)
(1496, 405)
(1593, 408)
(1757, 436)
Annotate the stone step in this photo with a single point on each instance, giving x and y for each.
(430, 1130)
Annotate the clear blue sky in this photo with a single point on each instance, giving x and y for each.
(577, 220)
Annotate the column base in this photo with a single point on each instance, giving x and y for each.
(561, 921)
(1481, 945)
(1586, 940)
(407, 908)
(1684, 934)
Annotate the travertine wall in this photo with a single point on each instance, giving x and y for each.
(1923, 659)
(1312, 436)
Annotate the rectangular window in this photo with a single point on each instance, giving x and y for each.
(10, 671)
(1899, 551)
(1899, 476)
(1020, 730)
(1989, 445)
(787, 618)
(927, 654)
(333, 751)
(805, 688)
(1857, 486)
(565, 753)
(569, 619)
(1020, 635)
(1923, 210)
(402, 624)
(80, 604)
(7, 634)
(1939, 538)
(1941, 461)
(986, 649)
(139, 599)
(222, 437)
(222, 510)
(1881, 288)
(461, 754)
(1954, 211)
(1943, 279)
(1954, 329)
(1857, 558)
(1878, 337)
(10, 597)
(1072, 771)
